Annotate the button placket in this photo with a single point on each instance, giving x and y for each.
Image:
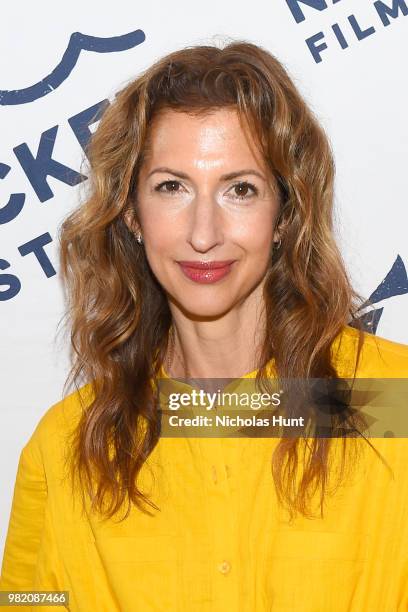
(220, 500)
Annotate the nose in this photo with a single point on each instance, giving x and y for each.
(205, 224)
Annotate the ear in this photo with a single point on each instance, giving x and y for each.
(130, 221)
(281, 227)
(278, 232)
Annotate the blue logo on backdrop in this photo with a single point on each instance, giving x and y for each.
(40, 166)
(61, 72)
(352, 30)
(395, 283)
(37, 167)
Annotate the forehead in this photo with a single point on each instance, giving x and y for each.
(215, 134)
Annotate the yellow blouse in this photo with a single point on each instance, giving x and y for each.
(220, 542)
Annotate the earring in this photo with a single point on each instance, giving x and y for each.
(139, 238)
(277, 244)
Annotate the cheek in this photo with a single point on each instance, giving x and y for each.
(161, 234)
(254, 235)
(162, 244)
(161, 220)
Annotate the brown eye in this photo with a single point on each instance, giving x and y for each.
(170, 187)
(244, 190)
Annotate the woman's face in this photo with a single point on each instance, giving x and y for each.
(204, 195)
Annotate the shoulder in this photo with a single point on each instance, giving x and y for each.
(56, 425)
(379, 358)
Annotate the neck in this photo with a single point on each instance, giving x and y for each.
(227, 347)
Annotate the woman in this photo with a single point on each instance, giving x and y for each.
(204, 250)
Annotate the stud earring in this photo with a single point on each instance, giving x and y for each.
(139, 238)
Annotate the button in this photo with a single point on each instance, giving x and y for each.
(224, 567)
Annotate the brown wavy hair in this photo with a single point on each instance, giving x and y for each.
(117, 311)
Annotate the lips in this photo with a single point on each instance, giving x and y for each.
(206, 271)
(206, 265)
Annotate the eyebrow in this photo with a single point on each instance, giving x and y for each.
(224, 177)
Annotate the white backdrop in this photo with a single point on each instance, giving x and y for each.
(346, 57)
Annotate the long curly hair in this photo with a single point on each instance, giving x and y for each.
(117, 312)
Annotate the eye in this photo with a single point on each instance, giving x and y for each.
(173, 187)
(242, 188)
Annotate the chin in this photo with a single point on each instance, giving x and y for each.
(203, 308)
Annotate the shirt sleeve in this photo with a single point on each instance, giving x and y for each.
(26, 521)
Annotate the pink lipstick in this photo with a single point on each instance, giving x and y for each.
(206, 271)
